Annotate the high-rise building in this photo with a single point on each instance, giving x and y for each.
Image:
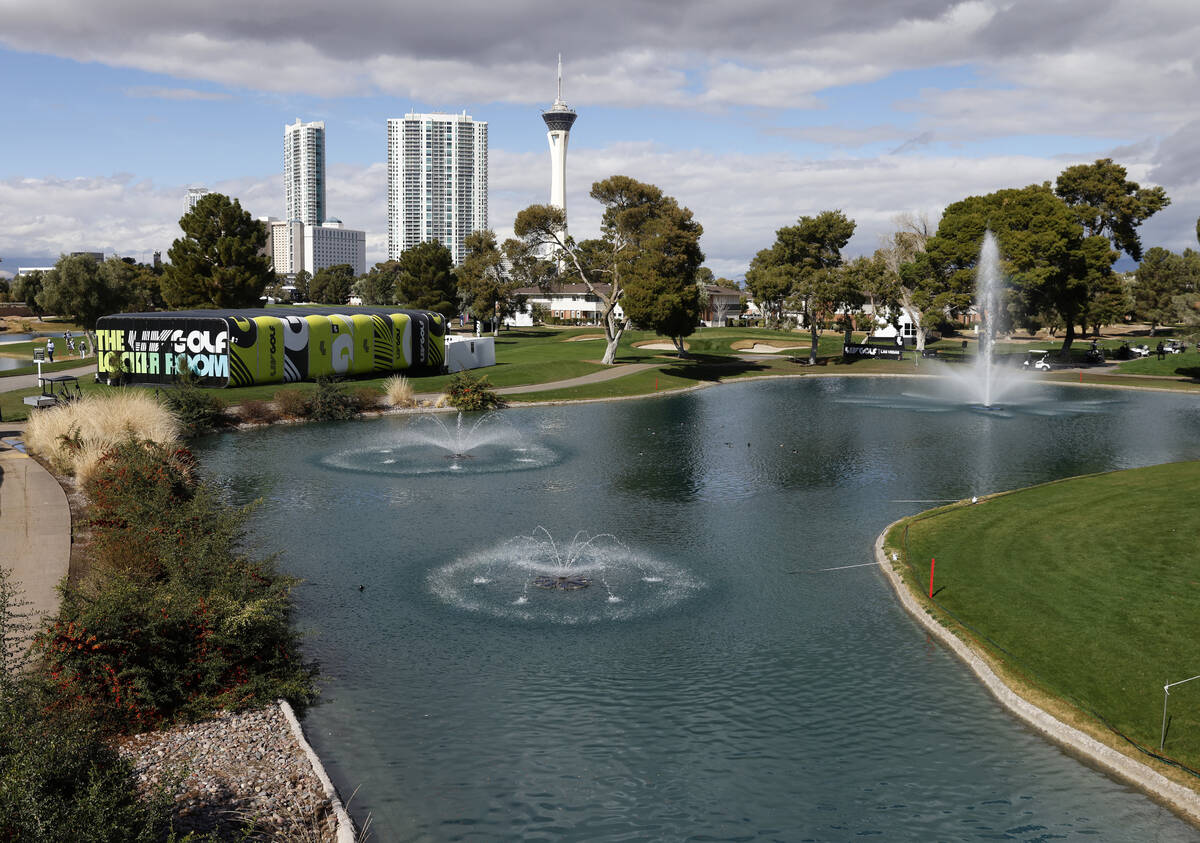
(295, 246)
(437, 181)
(194, 195)
(304, 171)
(559, 119)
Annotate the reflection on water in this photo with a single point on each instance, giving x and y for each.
(760, 705)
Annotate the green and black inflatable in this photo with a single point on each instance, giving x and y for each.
(245, 347)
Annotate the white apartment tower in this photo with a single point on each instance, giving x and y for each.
(559, 119)
(304, 171)
(437, 181)
(194, 195)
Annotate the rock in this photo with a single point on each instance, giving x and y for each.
(233, 773)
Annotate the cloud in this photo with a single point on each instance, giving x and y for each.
(1098, 67)
(183, 94)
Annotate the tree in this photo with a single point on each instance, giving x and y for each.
(301, 283)
(661, 292)
(1108, 204)
(871, 281)
(332, 284)
(25, 288)
(487, 289)
(769, 285)
(426, 278)
(920, 291)
(1046, 255)
(84, 290)
(378, 286)
(635, 244)
(807, 256)
(1161, 276)
(219, 261)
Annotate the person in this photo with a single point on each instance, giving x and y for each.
(50, 350)
(1162, 354)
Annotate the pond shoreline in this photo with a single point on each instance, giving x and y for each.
(1182, 800)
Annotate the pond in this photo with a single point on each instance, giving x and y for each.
(713, 678)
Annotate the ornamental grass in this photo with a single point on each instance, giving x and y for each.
(399, 391)
(73, 437)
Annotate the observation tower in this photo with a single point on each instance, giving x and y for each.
(559, 119)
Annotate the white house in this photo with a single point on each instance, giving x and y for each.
(572, 304)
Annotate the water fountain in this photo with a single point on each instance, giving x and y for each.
(986, 386)
(509, 580)
(428, 445)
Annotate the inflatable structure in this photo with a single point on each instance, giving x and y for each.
(245, 347)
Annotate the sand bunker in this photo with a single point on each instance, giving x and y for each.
(583, 337)
(658, 346)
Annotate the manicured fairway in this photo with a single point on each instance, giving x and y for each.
(1088, 588)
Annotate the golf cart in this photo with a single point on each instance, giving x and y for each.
(1095, 354)
(1175, 347)
(1037, 358)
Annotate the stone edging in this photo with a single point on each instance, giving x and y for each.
(1181, 799)
(345, 825)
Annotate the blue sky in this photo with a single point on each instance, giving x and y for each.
(750, 114)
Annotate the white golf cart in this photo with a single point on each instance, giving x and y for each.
(1037, 358)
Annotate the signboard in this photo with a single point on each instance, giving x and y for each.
(39, 355)
(888, 352)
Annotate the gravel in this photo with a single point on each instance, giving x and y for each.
(233, 773)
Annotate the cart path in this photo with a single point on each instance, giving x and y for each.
(35, 526)
(15, 382)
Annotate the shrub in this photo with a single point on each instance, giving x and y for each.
(259, 412)
(367, 398)
(59, 779)
(331, 402)
(75, 434)
(467, 392)
(293, 403)
(199, 410)
(170, 621)
(398, 391)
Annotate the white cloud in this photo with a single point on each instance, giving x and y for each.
(1074, 66)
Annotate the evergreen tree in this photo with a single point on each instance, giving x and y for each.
(426, 279)
(219, 260)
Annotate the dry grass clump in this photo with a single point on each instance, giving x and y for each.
(259, 412)
(367, 398)
(293, 403)
(442, 401)
(72, 437)
(398, 391)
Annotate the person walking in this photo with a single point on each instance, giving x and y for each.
(50, 349)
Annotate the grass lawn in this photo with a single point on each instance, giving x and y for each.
(1087, 588)
(541, 355)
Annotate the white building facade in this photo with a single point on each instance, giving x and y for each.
(304, 172)
(194, 195)
(331, 243)
(295, 246)
(437, 181)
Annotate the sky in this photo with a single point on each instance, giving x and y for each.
(751, 114)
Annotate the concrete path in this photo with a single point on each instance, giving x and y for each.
(35, 526)
(15, 382)
(611, 373)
